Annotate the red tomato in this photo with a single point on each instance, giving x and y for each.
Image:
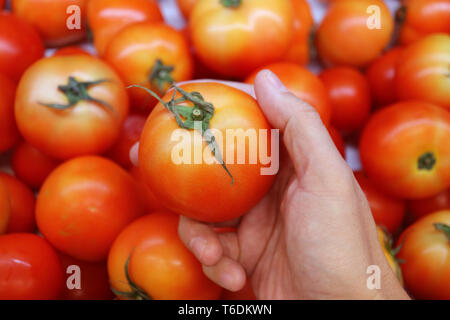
(422, 207)
(151, 55)
(199, 187)
(423, 17)
(70, 50)
(422, 72)
(78, 110)
(52, 19)
(387, 211)
(338, 140)
(233, 38)
(22, 201)
(9, 135)
(129, 135)
(30, 165)
(2, 3)
(84, 204)
(302, 83)
(150, 201)
(94, 282)
(344, 36)
(21, 45)
(152, 243)
(5, 208)
(29, 268)
(303, 26)
(186, 6)
(424, 250)
(107, 17)
(349, 96)
(245, 293)
(381, 77)
(404, 149)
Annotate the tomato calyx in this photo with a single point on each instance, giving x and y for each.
(231, 3)
(192, 118)
(426, 161)
(77, 91)
(161, 75)
(445, 228)
(136, 293)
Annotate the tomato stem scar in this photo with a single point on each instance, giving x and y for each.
(426, 161)
(231, 3)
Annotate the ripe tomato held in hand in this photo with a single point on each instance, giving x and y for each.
(387, 211)
(337, 139)
(5, 208)
(234, 38)
(150, 201)
(423, 71)
(78, 110)
(195, 183)
(349, 97)
(344, 38)
(21, 45)
(29, 268)
(405, 151)
(150, 55)
(31, 166)
(107, 17)
(84, 204)
(94, 282)
(381, 77)
(152, 243)
(22, 202)
(51, 19)
(9, 135)
(420, 18)
(422, 207)
(426, 258)
(302, 83)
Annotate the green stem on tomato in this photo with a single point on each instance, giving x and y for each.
(445, 228)
(161, 75)
(231, 3)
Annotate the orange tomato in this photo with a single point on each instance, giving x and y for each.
(70, 50)
(151, 55)
(235, 37)
(152, 243)
(186, 7)
(53, 18)
(107, 17)
(5, 208)
(302, 83)
(422, 207)
(344, 36)
(150, 201)
(422, 72)
(9, 135)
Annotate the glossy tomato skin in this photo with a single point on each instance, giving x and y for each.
(84, 204)
(343, 37)
(5, 208)
(426, 258)
(152, 243)
(381, 77)
(31, 166)
(302, 83)
(201, 190)
(422, 207)
(129, 135)
(349, 96)
(423, 17)
(9, 135)
(235, 41)
(300, 49)
(404, 149)
(51, 19)
(22, 202)
(150, 201)
(423, 71)
(21, 45)
(94, 280)
(134, 53)
(387, 211)
(107, 17)
(29, 268)
(87, 127)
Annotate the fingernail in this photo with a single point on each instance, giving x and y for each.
(275, 81)
(198, 246)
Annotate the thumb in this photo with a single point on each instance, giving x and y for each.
(305, 136)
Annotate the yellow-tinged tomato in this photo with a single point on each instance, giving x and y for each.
(389, 253)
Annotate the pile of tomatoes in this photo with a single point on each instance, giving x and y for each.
(78, 219)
